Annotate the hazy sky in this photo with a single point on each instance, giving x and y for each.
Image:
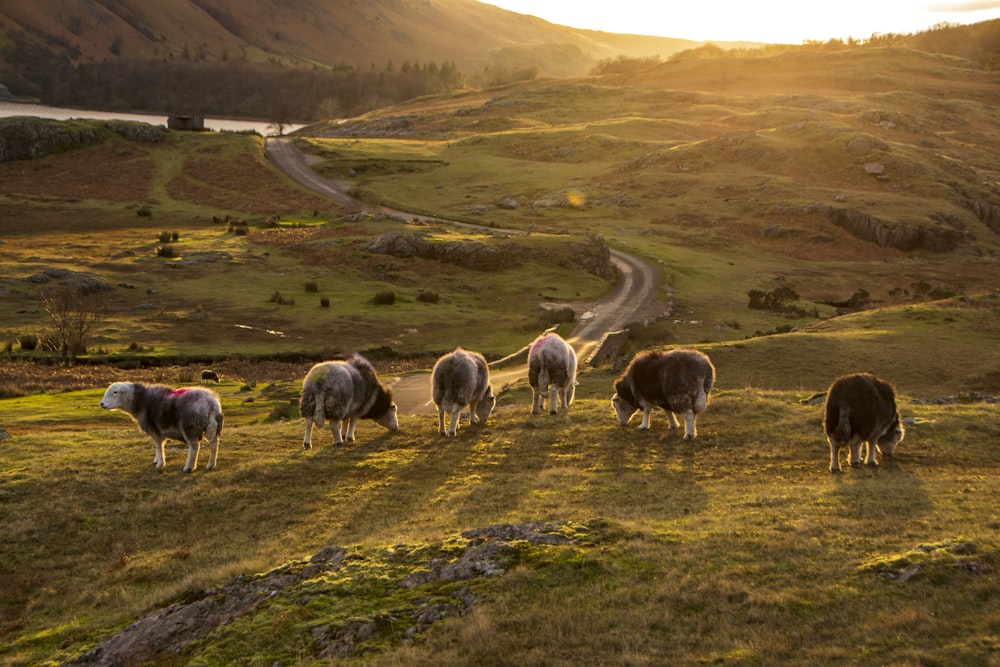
(775, 21)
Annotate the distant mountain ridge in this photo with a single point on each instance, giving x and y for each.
(356, 33)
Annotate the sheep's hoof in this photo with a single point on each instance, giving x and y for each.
(307, 445)
(553, 412)
(188, 469)
(855, 464)
(689, 437)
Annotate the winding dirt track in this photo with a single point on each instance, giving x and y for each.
(626, 302)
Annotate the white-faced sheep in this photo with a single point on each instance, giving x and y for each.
(551, 372)
(678, 381)
(343, 392)
(861, 408)
(187, 414)
(461, 379)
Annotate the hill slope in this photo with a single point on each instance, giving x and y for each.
(472, 34)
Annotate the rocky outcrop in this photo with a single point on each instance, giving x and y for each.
(26, 137)
(466, 254)
(987, 212)
(592, 255)
(902, 236)
(165, 633)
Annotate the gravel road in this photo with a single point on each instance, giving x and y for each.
(627, 301)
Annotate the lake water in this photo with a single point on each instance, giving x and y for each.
(8, 109)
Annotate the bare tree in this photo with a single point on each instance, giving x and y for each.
(72, 317)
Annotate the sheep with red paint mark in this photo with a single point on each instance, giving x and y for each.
(551, 372)
(678, 381)
(188, 414)
(342, 392)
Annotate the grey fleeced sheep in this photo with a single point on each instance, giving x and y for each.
(187, 414)
(343, 392)
(461, 379)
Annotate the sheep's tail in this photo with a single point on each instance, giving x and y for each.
(701, 400)
(318, 414)
(217, 419)
(843, 428)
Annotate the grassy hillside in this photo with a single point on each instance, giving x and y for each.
(533, 539)
(738, 548)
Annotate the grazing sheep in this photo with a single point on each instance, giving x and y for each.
(551, 372)
(209, 375)
(462, 378)
(185, 414)
(678, 381)
(861, 408)
(344, 392)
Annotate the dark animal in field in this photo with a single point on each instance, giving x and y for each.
(679, 381)
(461, 379)
(551, 372)
(208, 375)
(187, 414)
(861, 408)
(343, 392)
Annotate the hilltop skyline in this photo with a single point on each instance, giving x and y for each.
(770, 21)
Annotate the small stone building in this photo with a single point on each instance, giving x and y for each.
(186, 121)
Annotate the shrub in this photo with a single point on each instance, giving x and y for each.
(166, 250)
(280, 300)
(324, 302)
(164, 237)
(174, 236)
(776, 300)
(144, 212)
(312, 286)
(429, 297)
(386, 298)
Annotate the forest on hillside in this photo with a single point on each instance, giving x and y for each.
(282, 92)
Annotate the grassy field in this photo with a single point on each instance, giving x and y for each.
(739, 548)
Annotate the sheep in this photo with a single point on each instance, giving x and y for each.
(344, 392)
(861, 408)
(187, 414)
(462, 378)
(551, 371)
(679, 381)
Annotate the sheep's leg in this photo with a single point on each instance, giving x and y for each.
(870, 456)
(690, 430)
(834, 456)
(672, 420)
(553, 399)
(441, 428)
(158, 458)
(644, 426)
(855, 445)
(307, 440)
(351, 424)
(456, 415)
(194, 446)
(337, 427)
(213, 452)
(536, 400)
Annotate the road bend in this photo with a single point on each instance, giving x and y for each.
(631, 296)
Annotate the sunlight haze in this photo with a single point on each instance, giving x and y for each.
(771, 21)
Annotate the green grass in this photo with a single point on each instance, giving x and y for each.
(739, 547)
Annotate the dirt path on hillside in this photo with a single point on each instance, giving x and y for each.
(626, 302)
